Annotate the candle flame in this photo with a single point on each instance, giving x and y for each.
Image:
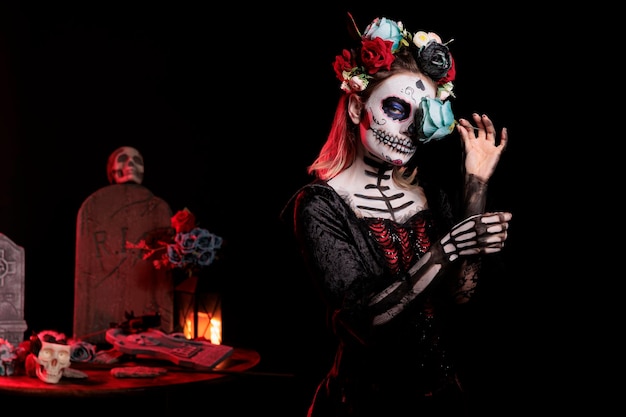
(209, 328)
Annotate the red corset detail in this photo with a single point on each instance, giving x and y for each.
(401, 244)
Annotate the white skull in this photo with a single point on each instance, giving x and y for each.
(125, 164)
(389, 130)
(53, 358)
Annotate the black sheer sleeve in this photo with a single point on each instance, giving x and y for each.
(346, 262)
(338, 254)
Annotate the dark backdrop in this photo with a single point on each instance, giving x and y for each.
(228, 109)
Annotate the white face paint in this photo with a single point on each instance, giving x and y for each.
(388, 130)
(126, 165)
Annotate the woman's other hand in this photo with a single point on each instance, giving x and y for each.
(482, 153)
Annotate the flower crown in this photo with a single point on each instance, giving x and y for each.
(382, 39)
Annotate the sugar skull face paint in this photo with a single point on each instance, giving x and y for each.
(388, 130)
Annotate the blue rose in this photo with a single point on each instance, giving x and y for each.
(385, 29)
(81, 351)
(174, 255)
(185, 241)
(206, 258)
(437, 119)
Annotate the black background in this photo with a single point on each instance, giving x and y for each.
(228, 108)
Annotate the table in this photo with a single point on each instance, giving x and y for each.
(101, 390)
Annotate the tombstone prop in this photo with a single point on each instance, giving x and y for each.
(12, 324)
(110, 280)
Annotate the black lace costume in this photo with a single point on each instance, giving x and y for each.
(352, 258)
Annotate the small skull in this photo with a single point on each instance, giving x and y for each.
(50, 355)
(53, 358)
(125, 164)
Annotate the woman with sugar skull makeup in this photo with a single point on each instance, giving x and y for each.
(381, 240)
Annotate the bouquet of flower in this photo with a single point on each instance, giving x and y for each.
(8, 357)
(190, 248)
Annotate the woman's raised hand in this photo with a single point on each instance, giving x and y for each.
(482, 153)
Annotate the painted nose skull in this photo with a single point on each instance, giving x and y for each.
(125, 165)
(52, 359)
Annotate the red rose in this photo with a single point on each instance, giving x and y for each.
(343, 62)
(183, 221)
(376, 54)
(450, 75)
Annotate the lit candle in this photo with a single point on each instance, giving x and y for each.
(208, 327)
(216, 331)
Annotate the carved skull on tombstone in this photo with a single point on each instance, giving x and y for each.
(125, 164)
(52, 355)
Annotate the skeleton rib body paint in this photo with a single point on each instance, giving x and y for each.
(368, 187)
(393, 201)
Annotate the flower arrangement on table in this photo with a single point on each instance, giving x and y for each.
(8, 357)
(190, 248)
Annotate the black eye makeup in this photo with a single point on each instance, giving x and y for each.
(396, 109)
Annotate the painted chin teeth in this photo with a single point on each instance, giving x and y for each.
(401, 145)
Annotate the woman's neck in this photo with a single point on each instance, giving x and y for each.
(367, 185)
